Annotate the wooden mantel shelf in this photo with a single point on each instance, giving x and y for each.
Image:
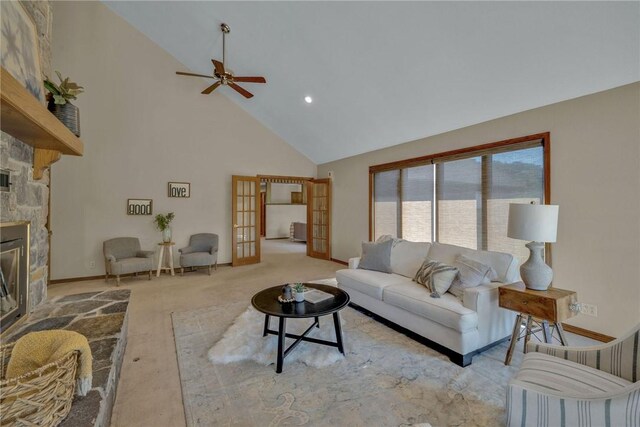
(26, 119)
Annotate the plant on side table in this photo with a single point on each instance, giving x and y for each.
(298, 292)
(162, 223)
(59, 102)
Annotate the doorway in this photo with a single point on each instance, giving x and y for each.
(280, 207)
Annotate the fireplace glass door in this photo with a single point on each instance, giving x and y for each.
(10, 258)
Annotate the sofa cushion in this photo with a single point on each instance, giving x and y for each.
(566, 377)
(505, 265)
(448, 310)
(195, 259)
(368, 282)
(407, 257)
(131, 265)
(376, 256)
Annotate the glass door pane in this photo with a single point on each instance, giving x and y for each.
(319, 219)
(246, 215)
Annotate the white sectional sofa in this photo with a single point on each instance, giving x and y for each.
(459, 329)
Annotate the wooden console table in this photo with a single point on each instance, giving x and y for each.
(544, 307)
(169, 254)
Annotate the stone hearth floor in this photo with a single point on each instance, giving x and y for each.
(102, 318)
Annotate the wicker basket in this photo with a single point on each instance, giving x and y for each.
(39, 398)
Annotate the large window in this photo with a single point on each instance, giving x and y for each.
(461, 197)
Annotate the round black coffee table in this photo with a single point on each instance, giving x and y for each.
(266, 301)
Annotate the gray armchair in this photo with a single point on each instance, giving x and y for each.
(202, 251)
(122, 255)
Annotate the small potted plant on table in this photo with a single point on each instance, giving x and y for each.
(298, 292)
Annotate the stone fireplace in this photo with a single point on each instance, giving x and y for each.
(26, 199)
(14, 272)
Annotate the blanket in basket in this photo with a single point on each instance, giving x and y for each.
(36, 349)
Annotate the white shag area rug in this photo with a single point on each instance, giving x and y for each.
(243, 341)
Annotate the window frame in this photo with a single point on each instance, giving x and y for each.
(544, 138)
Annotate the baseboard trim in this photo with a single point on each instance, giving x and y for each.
(78, 279)
(587, 333)
(87, 278)
(339, 261)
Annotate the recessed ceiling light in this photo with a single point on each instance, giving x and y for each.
(308, 99)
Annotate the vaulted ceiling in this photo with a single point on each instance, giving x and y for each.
(384, 73)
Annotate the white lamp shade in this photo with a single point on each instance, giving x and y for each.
(537, 223)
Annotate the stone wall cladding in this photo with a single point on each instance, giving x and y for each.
(28, 200)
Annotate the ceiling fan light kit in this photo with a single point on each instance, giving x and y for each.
(223, 76)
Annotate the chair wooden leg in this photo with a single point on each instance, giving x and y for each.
(216, 265)
(117, 280)
(106, 277)
(181, 271)
(135, 274)
(150, 274)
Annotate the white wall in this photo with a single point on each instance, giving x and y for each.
(144, 126)
(280, 217)
(281, 193)
(595, 178)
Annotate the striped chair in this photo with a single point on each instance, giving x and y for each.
(577, 386)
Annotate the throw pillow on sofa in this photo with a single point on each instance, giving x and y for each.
(436, 276)
(406, 256)
(376, 256)
(471, 273)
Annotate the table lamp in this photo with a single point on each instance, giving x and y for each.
(538, 223)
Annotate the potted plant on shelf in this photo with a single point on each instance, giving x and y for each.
(59, 104)
(162, 223)
(298, 292)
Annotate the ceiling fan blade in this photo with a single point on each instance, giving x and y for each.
(250, 79)
(219, 66)
(241, 91)
(195, 75)
(211, 88)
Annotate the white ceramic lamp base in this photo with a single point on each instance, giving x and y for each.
(535, 273)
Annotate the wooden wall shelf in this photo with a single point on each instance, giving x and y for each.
(25, 118)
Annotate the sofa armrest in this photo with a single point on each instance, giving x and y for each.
(213, 251)
(475, 298)
(620, 362)
(353, 263)
(186, 250)
(145, 254)
(494, 323)
(110, 258)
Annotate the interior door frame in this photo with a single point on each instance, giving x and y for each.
(310, 252)
(235, 260)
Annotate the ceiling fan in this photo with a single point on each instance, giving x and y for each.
(223, 76)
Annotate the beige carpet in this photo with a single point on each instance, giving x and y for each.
(149, 390)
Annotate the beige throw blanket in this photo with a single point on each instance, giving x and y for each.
(36, 349)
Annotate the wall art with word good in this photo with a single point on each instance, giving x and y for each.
(139, 206)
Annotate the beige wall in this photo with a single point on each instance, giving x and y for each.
(595, 178)
(143, 126)
(280, 217)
